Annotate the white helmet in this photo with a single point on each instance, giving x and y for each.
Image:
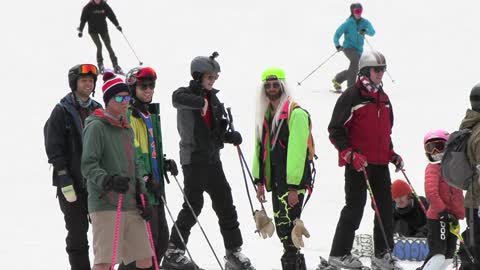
(372, 59)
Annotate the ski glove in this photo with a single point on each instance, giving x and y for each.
(447, 217)
(147, 211)
(264, 224)
(170, 166)
(80, 34)
(297, 233)
(153, 186)
(397, 160)
(339, 48)
(357, 160)
(116, 183)
(66, 184)
(362, 32)
(233, 137)
(119, 28)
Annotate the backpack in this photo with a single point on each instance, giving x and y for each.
(456, 167)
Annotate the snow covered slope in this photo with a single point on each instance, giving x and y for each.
(431, 53)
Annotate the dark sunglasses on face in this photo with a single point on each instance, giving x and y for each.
(269, 85)
(379, 69)
(120, 99)
(144, 86)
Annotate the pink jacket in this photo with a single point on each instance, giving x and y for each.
(441, 196)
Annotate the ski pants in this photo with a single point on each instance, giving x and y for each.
(352, 212)
(76, 222)
(284, 215)
(159, 227)
(106, 40)
(472, 244)
(210, 178)
(349, 74)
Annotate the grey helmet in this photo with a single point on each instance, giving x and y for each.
(204, 64)
(475, 97)
(370, 59)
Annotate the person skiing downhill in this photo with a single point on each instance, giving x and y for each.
(95, 13)
(446, 205)
(144, 118)
(354, 30)
(203, 131)
(360, 129)
(281, 162)
(63, 144)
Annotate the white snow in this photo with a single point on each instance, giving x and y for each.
(430, 46)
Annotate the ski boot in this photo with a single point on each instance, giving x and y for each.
(385, 262)
(335, 263)
(175, 259)
(101, 68)
(236, 260)
(295, 262)
(118, 70)
(337, 86)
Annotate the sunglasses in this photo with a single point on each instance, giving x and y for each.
(144, 86)
(379, 69)
(88, 69)
(358, 11)
(436, 146)
(269, 85)
(120, 99)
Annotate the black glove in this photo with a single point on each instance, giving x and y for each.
(80, 34)
(447, 217)
(169, 165)
(153, 187)
(339, 48)
(233, 137)
(119, 28)
(397, 160)
(116, 183)
(147, 211)
(362, 32)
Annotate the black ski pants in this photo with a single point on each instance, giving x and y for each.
(352, 212)
(76, 223)
(284, 215)
(210, 178)
(106, 40)
(472, 244)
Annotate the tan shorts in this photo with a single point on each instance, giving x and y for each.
(133, 242)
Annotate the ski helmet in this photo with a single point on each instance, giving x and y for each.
(370, 59)
(355, 6)
(82, 70)
(204, 64)
(475, 97)
(438, 134)
(273, 71)
(139, 74)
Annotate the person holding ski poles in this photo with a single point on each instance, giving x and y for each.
(354, 30)
(114, 183)
(143, 117)
(282, 161)
(360, 129)
(202, 126)
(446, 205)
(63, 144)
(95, 13)
(472, 196)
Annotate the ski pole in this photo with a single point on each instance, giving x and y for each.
(117, 228)
(128, 42)
(377, 212)
(198, 221)
(415, 193)
(319, 66)
(149, 230)
(178, 231)
(455, 230)
(371, 48)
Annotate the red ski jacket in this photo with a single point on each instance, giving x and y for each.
(441, 196)
(363, 120)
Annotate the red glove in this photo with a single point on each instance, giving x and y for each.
(397, 160)
(357, 160)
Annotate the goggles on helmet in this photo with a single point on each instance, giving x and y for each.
(88, 69)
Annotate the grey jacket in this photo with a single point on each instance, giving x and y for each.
(472, 121)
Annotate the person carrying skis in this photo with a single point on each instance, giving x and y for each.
(110, 166)
(360, 129)
(472, 196)
(202, 127)
(281, 162)
(409, 219)
(354, 30)
(96, 13)
(144, 118)
(63, 145)
(446, 205)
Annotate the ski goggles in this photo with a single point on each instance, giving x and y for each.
(144, 86)
(357, 11)
(379, 69)
(88, 69)
(436, 146)
(120, 99)
(269, 85)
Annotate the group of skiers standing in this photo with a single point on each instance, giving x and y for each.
(110, 169)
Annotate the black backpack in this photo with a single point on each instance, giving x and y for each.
(456, 167)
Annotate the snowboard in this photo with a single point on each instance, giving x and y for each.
(406, 248)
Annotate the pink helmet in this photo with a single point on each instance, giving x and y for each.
(436, 134)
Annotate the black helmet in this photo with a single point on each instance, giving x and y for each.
(475, 97)
(355, 6)
(203, 64)
(82, 69)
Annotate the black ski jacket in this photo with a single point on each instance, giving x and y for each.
(63, 139)
(96, 16)
(414, 216)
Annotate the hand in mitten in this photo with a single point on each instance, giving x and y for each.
(357, 160)
(80, 34)
(397, 160)
(298, 232)
(362, 32)
(339, 48)
(145, 211)
(233, 137)
(116, 183)
(170, 166)
(264, 224)
(119, 28)
(66, 184)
